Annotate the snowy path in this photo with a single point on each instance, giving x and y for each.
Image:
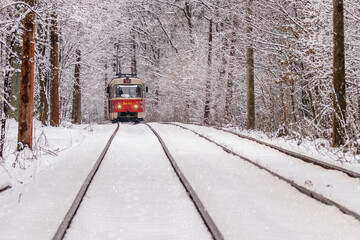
(248, 203)
(136, 195)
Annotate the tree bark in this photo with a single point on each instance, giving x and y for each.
(54, 81)
(250, 124)
(15, 81)
(76, 113)
(188, 14)
(7, 89)
(43, 76)
(27, 81)
(106, 83)
(339, 96)
(230, 76)
(208, 79)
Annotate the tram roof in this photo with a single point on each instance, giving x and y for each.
(126, 79)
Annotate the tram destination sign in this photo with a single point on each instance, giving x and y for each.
(127, 80)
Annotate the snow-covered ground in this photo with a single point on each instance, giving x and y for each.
(334, 185)
(249, 203)
(320, 149)
(136, 194)
(45, 185)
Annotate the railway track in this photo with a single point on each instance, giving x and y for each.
(209, 223)
(60, 233)
(302, 189)
(5, 188)
(302, 157)
(298, 155)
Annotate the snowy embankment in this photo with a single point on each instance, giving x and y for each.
(18, 168)
(333, 185)
(319, 149)
(46, 180)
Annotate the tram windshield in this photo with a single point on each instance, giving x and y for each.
(128, 91)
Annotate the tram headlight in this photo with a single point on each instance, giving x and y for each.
(136, 106)
(119, 106)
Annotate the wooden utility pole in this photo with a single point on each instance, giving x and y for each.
(208, 79)
(339, 96)
(76, 111)
(54, 81)
(250, 124)
(27, 81)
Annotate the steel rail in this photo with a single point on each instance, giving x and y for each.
(61, 231)
(209, 223)
(5, 188)
(302, 189)
(302, 157)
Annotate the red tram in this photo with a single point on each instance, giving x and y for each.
(125, 99)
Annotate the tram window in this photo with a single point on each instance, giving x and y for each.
(128, 91)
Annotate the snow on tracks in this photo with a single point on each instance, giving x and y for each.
(247, 202)
(214, 230)
(324, 182)
(136, 195)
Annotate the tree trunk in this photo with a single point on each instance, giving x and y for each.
(27, 81)
(54, 81)
(44, 105)
(208, 79)
(43, 76)
(7, 90)
(230, 77)
(250, 124)
(188, 15)
(250, 88)
(339, 96)
(219, 112)
(106, 83)
(15, 81)
(76, 113)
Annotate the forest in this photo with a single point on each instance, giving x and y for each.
(283, 67)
